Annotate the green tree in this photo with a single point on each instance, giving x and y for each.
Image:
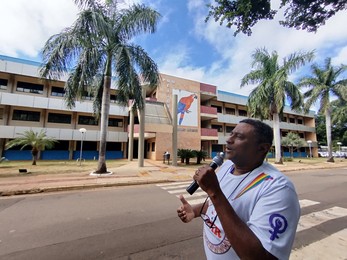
(321, 129)
(339, 120)
(322, 86)
(267, 100)
(200, 155)
(37, 141)
(244, 14)
(293, 141)
(185, 155)
(97, 48)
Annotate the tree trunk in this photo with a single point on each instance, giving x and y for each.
(34, 153)
(277, 138)
(328, 131)
(105, 110)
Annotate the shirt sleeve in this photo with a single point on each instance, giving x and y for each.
(274, 219)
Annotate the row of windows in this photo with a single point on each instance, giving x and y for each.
(230, 111)
(29, 87)
(32, 88)
(23, 115)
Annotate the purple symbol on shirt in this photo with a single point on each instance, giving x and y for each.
(279, 225)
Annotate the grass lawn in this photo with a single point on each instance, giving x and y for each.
(11, 168)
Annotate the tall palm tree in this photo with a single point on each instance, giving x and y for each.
(267, 99)
(37, 141)
(97, 48)
(323, 85)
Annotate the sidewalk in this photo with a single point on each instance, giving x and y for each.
(129, 174)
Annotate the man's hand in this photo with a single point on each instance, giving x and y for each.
(185, 212)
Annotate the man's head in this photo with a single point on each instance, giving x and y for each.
(249, 142)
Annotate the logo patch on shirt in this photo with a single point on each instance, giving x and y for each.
(278, 224)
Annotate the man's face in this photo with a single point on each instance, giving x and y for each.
(242, 146)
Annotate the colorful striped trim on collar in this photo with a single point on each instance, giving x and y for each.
(257, 180)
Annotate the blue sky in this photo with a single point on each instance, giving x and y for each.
(184, 45)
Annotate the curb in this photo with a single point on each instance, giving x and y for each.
(78, 187)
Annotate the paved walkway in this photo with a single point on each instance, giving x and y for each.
(129, 174)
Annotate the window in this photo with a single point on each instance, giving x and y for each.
(59, 118)
(284, 119)
(87, 120)
(23, 115)
(242, 112)
(115, 122)
(292, 120)
(57, 92)
(113, 98)
(300, 121)
(219, 109)
(228, 129)
(29, 87)
(1, 113)
(301, 135)
(230, 111)
(87, 95)
(3, 84)
(218, 127)
(153, 147)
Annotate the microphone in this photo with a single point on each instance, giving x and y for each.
(216, 162)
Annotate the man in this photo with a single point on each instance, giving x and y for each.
(252, 210)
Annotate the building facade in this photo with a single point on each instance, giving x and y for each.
(205, 117)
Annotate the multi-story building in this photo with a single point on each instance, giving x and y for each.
(205, 117)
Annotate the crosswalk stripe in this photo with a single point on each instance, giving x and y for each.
(174, 187)
(173, 184)
(331, 247)
(319, 217)
(306, 203)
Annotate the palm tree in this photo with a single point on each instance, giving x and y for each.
(292, 140)
(322, 86)
(97, 48)
(37, 141)
(267, 100)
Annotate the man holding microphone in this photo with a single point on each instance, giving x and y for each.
(252, 209)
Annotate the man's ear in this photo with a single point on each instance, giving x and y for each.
(264, 147)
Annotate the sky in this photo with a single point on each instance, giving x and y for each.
(184, 45)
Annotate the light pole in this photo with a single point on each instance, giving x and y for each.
(309, 145)
(82, 131)
(339, 144)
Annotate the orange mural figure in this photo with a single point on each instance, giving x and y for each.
(184, 105)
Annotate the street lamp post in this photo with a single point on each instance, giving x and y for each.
(82, 131)
(339, 144)
(309, 145)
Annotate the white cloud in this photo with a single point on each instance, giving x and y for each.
(28, 24)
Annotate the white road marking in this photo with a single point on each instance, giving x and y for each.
(306, 203)
(319, 217)
(331, 247)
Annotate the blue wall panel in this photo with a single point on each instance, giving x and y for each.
(17, 155)
(55, 155)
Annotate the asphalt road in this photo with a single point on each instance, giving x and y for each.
(139, 222)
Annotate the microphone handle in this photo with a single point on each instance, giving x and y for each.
(194, 185)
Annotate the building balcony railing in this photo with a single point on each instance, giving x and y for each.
(208, 88)
(208, 110)
(209, 132)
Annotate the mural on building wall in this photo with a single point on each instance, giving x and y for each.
(187, 108)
